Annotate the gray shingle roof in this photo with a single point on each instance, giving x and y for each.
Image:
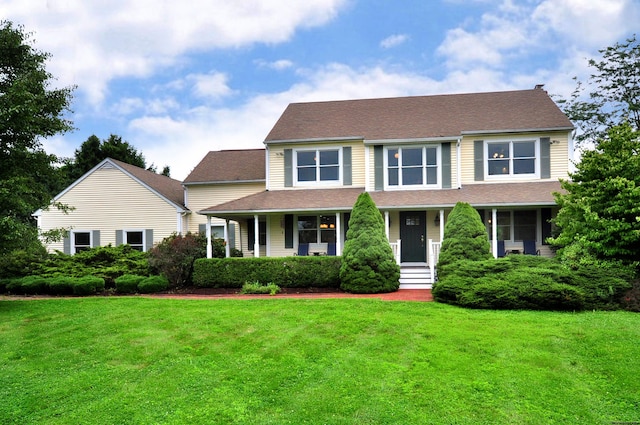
(229, 166)
(478, 195)
(419, 116)
(165, 186)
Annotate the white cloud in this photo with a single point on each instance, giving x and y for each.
(592, 23)
(278, 65)
(212, 85)
(95, 42)
(394, 40)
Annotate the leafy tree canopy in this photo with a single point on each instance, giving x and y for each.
(612, 93)
(599, 215)
(29, 111)
(93, 150)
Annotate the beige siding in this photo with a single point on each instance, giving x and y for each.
(108, 200)
(200, 197)
(276, 163)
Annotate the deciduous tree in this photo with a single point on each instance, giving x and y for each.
(30, 109)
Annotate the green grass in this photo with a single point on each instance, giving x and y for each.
(285, 361)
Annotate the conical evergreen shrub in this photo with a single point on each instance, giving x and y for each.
(368, 265)
(465, 237)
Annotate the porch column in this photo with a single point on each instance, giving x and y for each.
(338, 235)
(494, 232)
(227, 248)
(441, 212)
(386, 224)
(256, 241)
(208, 232)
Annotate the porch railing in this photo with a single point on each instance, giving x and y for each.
(395, 246)
(434, 253)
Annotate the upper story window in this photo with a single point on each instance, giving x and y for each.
(412, 166)
(512, 158)
(317, 165)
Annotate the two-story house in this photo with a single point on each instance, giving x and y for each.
(502, 152)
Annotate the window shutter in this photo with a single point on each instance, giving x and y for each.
(95, 238)
(148, 239)
(346, 166)
(251, 234)
(446, 165)
(545, 158)
(232, 235)
(288, 230)
(478, 160)
(66, 244)
(119, 237)
(378, 163)
(288, 168)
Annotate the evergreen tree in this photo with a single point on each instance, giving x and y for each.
(368, 264)
(465, 237)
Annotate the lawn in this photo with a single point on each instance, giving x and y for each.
(134, 360)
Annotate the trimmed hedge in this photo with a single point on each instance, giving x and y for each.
(88, 285)
(153, 284)
(128, 283)
(286, 272)
(529, 282)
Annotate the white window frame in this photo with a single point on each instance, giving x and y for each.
(125, 237)
(511, 175)
(73, 246)
(424, 185)
(318, 182)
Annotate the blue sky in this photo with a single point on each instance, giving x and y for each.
(178, 79)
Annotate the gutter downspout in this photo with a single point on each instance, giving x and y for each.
(459, 162)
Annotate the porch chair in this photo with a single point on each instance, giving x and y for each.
(303, 249)
(530, 248)
(501, 251)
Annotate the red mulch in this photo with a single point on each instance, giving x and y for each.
(215, 293)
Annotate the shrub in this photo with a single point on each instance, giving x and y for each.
(106, 262)
(128, 283)
(61, 285)
(465, 237)
(21, 262)
(368, 264)
(175, 255)
(259, 288)
(153, 284)
(88, 285)
(286, 272)
(33, 285)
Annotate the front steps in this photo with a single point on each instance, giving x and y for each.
(415, 276)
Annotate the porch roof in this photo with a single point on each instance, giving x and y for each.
(342, 199)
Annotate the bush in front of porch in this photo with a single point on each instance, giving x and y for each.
(465, 237)
(368, 265)
(530, 282)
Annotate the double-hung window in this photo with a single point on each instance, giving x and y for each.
(135, 238)
(412, 166)
(515, 226)
(512, 158)
(317, 165)
(81, 241)
(313, 228)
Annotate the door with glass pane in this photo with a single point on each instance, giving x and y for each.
(413, 233)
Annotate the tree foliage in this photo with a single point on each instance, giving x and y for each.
(368, 264)
(599, 215)
(29, 111)
(612, 93)
(93, 150)
(465, 237)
